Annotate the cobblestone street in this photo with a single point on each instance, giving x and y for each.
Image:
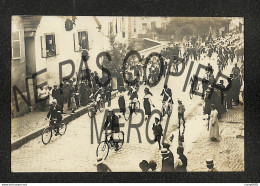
(74, 152)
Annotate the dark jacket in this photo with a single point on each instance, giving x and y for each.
(167, 164)
(157, 129)
(53, 113)
(112, 123)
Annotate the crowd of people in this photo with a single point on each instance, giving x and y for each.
(70, 94)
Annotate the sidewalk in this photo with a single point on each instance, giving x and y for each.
(228, 153)
(30, 125)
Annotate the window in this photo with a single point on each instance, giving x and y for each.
(153, 25)
(123, 27)
(16, 45)
(48, 45)
(144, 26)
(81, 41)
(163, 25)
(110, 28)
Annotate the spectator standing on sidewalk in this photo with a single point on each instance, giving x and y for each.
(167, 162)
(157, 131)
(210, 165)
(108, 90)
(181, 110)
(42, 95)
(213, 124)
(181, 163)
(101, 166)
(83, 94)
(49, 93)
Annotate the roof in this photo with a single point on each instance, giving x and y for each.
(31, 24)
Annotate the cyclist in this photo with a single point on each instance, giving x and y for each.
(54, 114)
(98, 96)
(111, 125)
(194, 82)
(167, 95)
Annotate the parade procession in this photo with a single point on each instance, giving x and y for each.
(127, 94)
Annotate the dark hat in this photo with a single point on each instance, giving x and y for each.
(157, 118)
(221, 81)
(179, 101)
(144, 165)
(166, 145)
(210, 162)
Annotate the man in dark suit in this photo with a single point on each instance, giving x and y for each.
(55, 114)
(111, 125)
(167, 162)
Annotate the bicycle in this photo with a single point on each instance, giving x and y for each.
(132, 108)
(104, 146)
(166, 109)
(47, 132)
(98, 105)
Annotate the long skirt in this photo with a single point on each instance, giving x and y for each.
(214, 131)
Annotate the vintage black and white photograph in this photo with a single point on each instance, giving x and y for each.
(127, 94)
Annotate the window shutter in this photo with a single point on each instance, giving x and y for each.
(89, 45)
(43, 45)
(56, 46)
(76, 41)
(16, 45)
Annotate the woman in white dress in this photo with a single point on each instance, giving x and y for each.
(213, 123)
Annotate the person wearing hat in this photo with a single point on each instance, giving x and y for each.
(181, 110)
(167, 162)
(181, 163)
(210, 165)
(144, 166)
(147, 102)
(101, 166)
(157, 131)
(213, 124)
(55, 113)
(111, 125)
(167, 146)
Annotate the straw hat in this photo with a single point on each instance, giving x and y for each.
(164, 151)
(99, 160)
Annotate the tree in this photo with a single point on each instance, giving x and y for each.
(117, 52)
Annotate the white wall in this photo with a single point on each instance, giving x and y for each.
(65, 45)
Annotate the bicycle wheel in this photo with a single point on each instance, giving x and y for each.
(62, 128)
(102, 150)
(101, 106)
(137, 107)
(169, 111)
(46, 135)
(91, 112)
(163, 112)
(191, 94)
(127, 113)
(119, 138)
